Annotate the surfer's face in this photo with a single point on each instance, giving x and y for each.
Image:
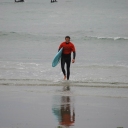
(67, 40)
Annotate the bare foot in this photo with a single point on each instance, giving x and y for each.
(64, 77)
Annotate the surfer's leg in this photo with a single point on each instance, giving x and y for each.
(62, 67)
(68, 61)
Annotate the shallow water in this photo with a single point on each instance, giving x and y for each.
(31, 32)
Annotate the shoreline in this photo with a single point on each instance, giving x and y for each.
(39, 82)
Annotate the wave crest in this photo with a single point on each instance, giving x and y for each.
(105, 38)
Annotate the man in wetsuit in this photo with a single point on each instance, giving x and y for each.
(68, 47)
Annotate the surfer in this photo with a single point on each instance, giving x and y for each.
(68, 48)
(19, 1)
(53, 1)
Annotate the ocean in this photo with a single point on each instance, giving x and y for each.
(31, 32)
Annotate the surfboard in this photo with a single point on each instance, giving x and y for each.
(57, 57)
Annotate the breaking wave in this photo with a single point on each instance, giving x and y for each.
(20, 34)
(105, 38)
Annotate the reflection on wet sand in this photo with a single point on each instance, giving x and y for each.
(63, 109)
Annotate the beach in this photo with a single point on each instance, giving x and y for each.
(33, 94)
(40, 106)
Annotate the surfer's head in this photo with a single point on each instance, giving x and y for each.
(67, 39)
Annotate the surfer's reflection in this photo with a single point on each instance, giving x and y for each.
(65, 111)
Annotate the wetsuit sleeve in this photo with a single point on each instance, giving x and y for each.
(60, 47)
(74, 51)
(73, 47)
(74, 55)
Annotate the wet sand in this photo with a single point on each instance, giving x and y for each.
(63, 107)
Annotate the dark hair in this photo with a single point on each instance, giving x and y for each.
(67, 37)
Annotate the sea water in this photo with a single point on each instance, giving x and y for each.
(31, 32)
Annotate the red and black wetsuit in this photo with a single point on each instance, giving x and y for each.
(66, 56)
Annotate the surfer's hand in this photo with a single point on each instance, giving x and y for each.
(73, 60)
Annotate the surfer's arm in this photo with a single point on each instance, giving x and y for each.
(74, 55)
(59, 47)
